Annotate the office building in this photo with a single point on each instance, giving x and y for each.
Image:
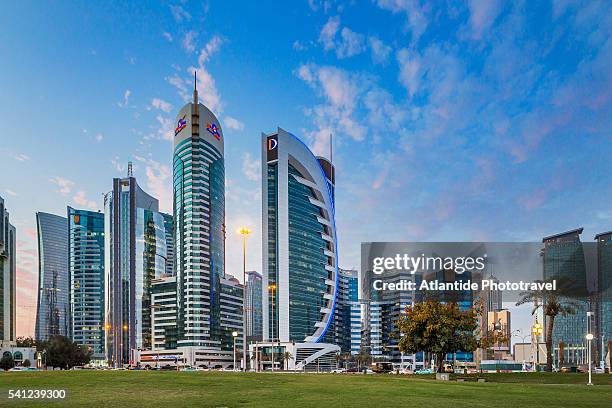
(8, 262)
(53, 307)
(252, 307)
(199, 219)
(603, 312)
(347, 319)
(138, 248)
(499, 323)
(231, 314)
(163, 313)
(86, 266)
(300, 259)
(564, 260)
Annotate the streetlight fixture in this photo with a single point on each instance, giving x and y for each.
(234, 334)
(244, 231)
(589, 338)
(272, 288)
(537, 330)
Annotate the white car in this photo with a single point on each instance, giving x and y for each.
(338, 371)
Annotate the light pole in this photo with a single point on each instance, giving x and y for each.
(272, 289)
(234, 334)
(589, 338)
(245, 233)
(537, 330)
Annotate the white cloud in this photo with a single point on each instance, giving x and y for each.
(179, 13)
(167, 36)
(81, 199)
(11, 192)
(161, 105)
(416, 19)
(211, 47)
(298, 46)
(118, 166)
(166, 129)
(188, 43)
(349, 44)
(251, 168)
(22, 157)
(159, 182)
(65, 185)
(99, 137)
(482, 15)
(328, 32)
(380, 51)
(409, 70)
(233, 123)
(126, 99)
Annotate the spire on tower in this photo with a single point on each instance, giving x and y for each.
(129, 169)
(195, 88)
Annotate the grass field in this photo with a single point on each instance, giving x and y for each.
(216, 389)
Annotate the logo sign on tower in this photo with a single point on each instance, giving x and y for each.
(180, 125)
(213, 129)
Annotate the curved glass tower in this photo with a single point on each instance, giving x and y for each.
(300, 256)
(53, 278)
(199, 217)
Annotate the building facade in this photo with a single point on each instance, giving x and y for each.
(163, 313)
(8, 262)
(603, 312)
(53, 307)
(564, 261)
(347, 319)
(232, 292)
(138, 247)
(252, 307)
(199, 217)
(300, 257)
(86, 266)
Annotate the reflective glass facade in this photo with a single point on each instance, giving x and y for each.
(199, 214)
(86, 265)
(8, 262)
(252, 307)
(53, 308)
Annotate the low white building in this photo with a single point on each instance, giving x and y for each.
(19, 354)
(184, 357)
(310, 357)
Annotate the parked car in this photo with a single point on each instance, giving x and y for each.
(424, 371)
(338, 370)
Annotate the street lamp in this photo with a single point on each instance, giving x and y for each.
(245, 233)
(272, 288)
(537, 330)
(234, 334)
(589, 338)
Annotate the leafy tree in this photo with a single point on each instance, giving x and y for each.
(64, 353)
(438, 328)
(27, 363)
(26, 342)
(7, 362)
(553, 304)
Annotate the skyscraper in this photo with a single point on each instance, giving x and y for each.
(86, 265)
(232, 292)
(138, 249)
(603, 312)
(347, 322)
(252, 308)
(300, 257)
(53, 309)
(8, 239)
(199, 219)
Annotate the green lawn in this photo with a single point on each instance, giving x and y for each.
(212, 389)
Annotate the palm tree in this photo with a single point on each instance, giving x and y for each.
(286, 357)
(552, 303)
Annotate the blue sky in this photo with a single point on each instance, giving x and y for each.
(452, 120)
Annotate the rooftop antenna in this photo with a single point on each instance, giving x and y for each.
(195, 87)
(130, 173)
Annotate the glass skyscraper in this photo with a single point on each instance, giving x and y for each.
(199, 219)
(86, 265)
(564, 260)
(254, 318)
(53, 308)
(8, 262)
(300, 257)
(347, 322)
(138, 249)
(604, 291)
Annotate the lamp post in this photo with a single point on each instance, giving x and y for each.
(245, 233)
(589, 338)
(537, 330)
(234, 334)
(272, 288)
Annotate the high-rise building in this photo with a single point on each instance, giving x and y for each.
(300, 257)
(347, 320)
(564, 261)
(199, 219)
(138, 247)
(86, 266)
(163, 313)
(53, 309)
(252, 307)
(603, 312)
(232, 292)
(8, 262)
